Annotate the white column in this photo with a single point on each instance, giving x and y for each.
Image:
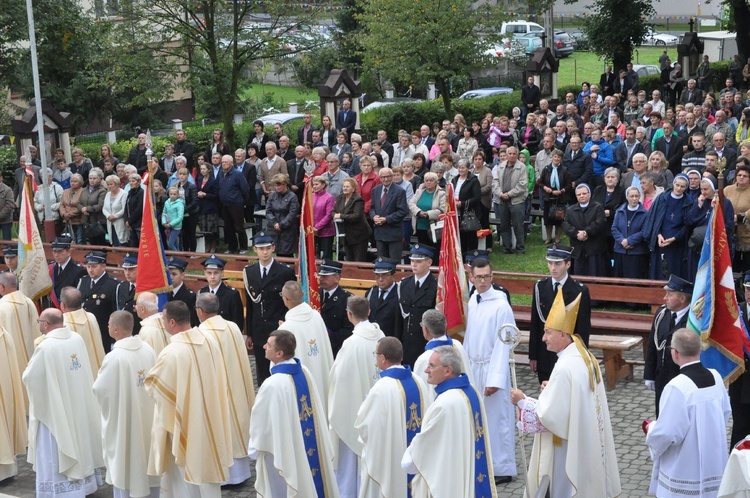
(65, 145)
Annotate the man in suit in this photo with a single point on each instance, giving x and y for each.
(230, 302)
(530, 95)
(387, 211)
(386, 145)
(126, 289)
(627, 149)
(265, 306)
(180, 291)
(64, 271)
(285, 151)
(659, 368)
(542, 360)
(297, 170)
(692, 94)
(723, 152)
(383, 296)
(333, 304)
(99, 293)
(427, 140)
(578, 163)
(633, 177)
(607, 82)
(271, 166)
(671, 146)
(305, 132)
(184, 148)
(622, 84)
(20, 174)
(346, 119)
(417, 293)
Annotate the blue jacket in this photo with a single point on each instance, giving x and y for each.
(656, 216)
(633, 233)
(233, 188)
(174, 212)
(604, 158)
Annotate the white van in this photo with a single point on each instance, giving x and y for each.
(521, 28)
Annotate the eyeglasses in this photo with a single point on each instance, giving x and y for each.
(482, 277)
(375, 353)
(386, 176)
(39, 320)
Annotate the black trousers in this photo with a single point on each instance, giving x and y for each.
(189, 225)
(234, 228)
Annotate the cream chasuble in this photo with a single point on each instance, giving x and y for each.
(153, 333)
(241, 392)
(313, 344)
(13, 430)
(59, 383)
(578, 450)
(127, 415)
(18, 315)
(86, 326)
(277, 442)
(424, 359)
(191, 415)
(381, 423)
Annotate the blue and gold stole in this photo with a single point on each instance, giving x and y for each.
(436, 343)
(413, 399)
(482, 476)
(306, 420)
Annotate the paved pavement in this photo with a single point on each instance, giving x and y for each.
(629, 405)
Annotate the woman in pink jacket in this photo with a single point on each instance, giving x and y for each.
(323, 217)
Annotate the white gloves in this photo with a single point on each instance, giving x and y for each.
(650, 384)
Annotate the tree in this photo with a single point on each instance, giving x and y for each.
(615, 26)
(427, 40)
(740, 16)
(227, 37)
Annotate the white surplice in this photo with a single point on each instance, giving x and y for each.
(688, 442)
(85, 324)
(736, 480)
(13, 429)
(352, 375)
(489, 358)
(313, 344)
(19, 316)
(381, 423)
(64, 417)
(424, 359)
(153, 333)
(127, 415)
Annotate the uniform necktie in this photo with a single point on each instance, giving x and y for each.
(381, 297)
(265, 272)
(556, 287)
(130, 289)
(59, 271)
(325, 297)
(213, 291)
(479, 299)
(417, 286)
(672, 320)
(573, 154)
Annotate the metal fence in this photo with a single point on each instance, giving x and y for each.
(128, 133)
(513, 79)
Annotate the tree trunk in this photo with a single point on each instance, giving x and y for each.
(445, 91)
(227, 116)
(741, 11)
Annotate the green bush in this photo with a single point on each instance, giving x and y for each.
(8, 163)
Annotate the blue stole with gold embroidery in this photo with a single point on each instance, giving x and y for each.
(306, 419)
(436, 343)
(481, 469)
(413, 398)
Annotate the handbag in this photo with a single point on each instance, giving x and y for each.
(93, 230)
(557, 212)
(470, 222)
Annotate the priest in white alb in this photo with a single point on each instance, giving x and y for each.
(289, 435)
(152, 330)
(434, 326)
(352, 375)
(127, 411)
(688, 442)
(450, 457)
(489, 357)
(18, 316)
(84, 323)
(309, 329)
(573, 441)
(65, 444)
(13, 429)
(191, 440)
(387, 421)
(241, 393)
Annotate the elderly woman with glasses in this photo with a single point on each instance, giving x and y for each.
(282, 213)
(426, 207)
(739, 195)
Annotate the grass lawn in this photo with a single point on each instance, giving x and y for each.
(588, 66)
(281, 94)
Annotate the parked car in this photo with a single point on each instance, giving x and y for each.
(659, 39)
(485, 92)
(646, 70)
(516, 47)
(385, 102)
(520, 28)
(563, 46)
(280, 117)
(580, 40)
(530, 42)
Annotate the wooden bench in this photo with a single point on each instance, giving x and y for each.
(615, 366)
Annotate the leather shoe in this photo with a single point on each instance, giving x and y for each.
(503, 480)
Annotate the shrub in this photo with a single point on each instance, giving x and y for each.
(8, 163)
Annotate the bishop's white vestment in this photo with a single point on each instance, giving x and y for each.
(352, 375)
(489, 358)
(85, 324)
(19, 316)
(241, 392)
(127, 416)
(289, 436)
(313, 344)
(576, 449)
(389, 418)
(688, 442)
(736, 480)
(153, 333)
(65, 446)
(424, 359)
(13, 430)
(450, 457)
